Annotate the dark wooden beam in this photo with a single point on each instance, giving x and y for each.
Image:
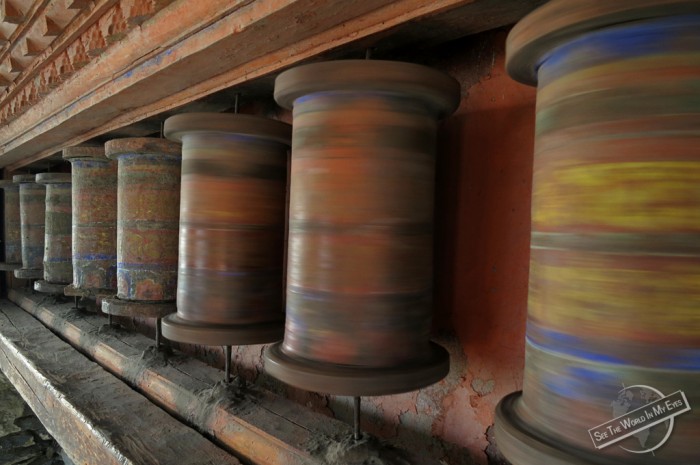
(94, 417)
(198, 48)
(258, 426)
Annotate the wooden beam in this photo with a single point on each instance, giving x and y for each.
(196, 51)
(259, 427)
(94, 417)
(70, 36)
(78, 4)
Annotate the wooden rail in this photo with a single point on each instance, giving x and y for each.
(253, 424)
(189, 50)
(93, 415)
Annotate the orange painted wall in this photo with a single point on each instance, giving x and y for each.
(484, 262)
(482, 259)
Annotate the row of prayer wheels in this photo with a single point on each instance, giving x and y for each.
(614, 303)
(211, 229)
(38, 229)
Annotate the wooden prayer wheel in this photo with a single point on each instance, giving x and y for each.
(94, 231)
(614, 304)
(232, 229)
(359, 266)
(58, 266)
(13, 235)
(148, 209)
(32, 211)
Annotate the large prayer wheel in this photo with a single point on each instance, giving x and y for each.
(94, 179)
(13, 234)
(58, 266)
(613, 334)
(147, 226)
(232, 229)
(359, 266)
(32, 211)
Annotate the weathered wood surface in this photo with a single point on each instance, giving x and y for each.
(189, 50)
(257, 426)
(95, 417)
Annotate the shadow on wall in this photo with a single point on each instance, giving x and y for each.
(484, 173)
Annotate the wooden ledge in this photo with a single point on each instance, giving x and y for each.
(190, 50)
(255, 425)
(94, 416)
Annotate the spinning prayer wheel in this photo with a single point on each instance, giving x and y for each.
(58, 267)
(32, 212)
(614, 305)
(359, 266)
(147, 226)
(232, 229)
(94, 200)
(13, 234)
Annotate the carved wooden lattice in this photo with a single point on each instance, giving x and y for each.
(42, 44)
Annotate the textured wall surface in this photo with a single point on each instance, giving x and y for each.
(482, 253)
(484, 171)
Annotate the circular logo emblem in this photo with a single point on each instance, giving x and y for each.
(644, 440)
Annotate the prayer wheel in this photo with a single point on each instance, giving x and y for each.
(232, 229)
(13, 235)
(32, 211)
(612, 368)
(94, 179)
(148, 209)
(359, 266)
(58, 267)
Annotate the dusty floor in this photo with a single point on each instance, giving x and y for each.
(23, 439)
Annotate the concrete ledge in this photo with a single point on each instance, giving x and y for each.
(257, 426)
(94, 416)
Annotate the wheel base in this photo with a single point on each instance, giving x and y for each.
(49, 288)
(181, 330)
(144, 309)
(522, 444)
(356, 381)
(24, 273)
(10, 266)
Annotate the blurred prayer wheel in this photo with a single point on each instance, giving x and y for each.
(58, 267)
(359, 267)
(13, 235)
(232, 229)
(32, 211)
(94, 201)
(147, 226)
(614, 304)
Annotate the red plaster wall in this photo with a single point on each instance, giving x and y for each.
(482, 269)
(482, 257)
